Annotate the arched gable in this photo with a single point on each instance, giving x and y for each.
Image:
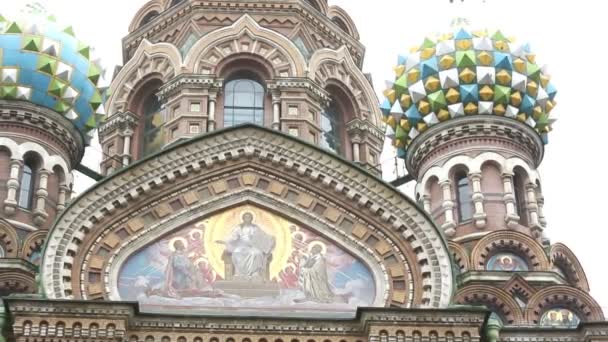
(563, 296)
(495, 299)
(339, 13)
(271, 170)
(8, 239)
(561, 256)
(246, 36)
(162, 59)
(326, 65)
(521, 244)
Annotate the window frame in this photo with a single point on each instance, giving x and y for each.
(255, 112)
(27, 193)
(464, 200)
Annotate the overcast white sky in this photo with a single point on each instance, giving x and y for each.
(567, 35)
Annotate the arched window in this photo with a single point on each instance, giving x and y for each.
(520, 197)
(153, 137)
(26, 190)
(331, 126)
(243, 102)
(463, 196)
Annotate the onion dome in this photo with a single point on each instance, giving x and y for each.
(42, 62)
(466, 73)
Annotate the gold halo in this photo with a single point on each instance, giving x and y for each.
(317, 243)
(506, 257)
(242, 213)
(200, 231)
(201, 223)
(298, 233)
(172, 242)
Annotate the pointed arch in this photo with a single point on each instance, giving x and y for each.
(326, 65)
(267, 165)
(223, 42)
(162, 60)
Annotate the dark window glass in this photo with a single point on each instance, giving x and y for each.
(153, 137)
(243, 102)
(520, 199)
(463, 196)
(331, 126)
(26, 192)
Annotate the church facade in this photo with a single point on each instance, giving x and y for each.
(241, 200)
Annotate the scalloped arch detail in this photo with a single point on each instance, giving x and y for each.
(561, 256)
(519, 243)
(212, 48)
(494, 299)
(568, 297)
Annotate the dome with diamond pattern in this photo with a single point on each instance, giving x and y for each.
(42, 62)
(466, 73)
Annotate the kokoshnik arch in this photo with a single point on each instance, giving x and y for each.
(241, 198)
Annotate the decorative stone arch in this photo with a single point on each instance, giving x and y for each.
(48, 162)
(15, 281)
(511, 241)
(162, 60)
(33, 241)
(562, 257)
(343, 20)
(246, 36)
(487, 157)
(512, 163)
(320, 5)
(573, 299)
(10, 145)
(158, 6)
(326, 65)
(495, 299)
(460, 256)
(8, 239)
(298, 176)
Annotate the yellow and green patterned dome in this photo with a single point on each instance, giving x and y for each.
(466, 73)
(42, 62)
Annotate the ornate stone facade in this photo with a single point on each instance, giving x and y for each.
(237, 124)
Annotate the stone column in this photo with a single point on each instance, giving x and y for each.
(540, 199)
(356, 152)
(480, 216)
(511, 217)
(63, 194)
(40, 214)
(449, 227)
(276, 111)
(211, 119)
(532, 206)
(426, 203)
(126, 148)
(10, 203)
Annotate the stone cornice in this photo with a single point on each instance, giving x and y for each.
(358, 127)
(439, 139)
(64, 132)
(125, 120)
(292, 155)
(189, 80)
(307, 14)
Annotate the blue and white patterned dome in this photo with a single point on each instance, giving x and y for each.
(42, 62)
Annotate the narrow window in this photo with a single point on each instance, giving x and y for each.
(331, 126)
(153, 137)
(463, 196)
(26, 192)
(520, 199)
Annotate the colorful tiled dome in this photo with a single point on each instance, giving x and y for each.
(43, 63)
(466, 73)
